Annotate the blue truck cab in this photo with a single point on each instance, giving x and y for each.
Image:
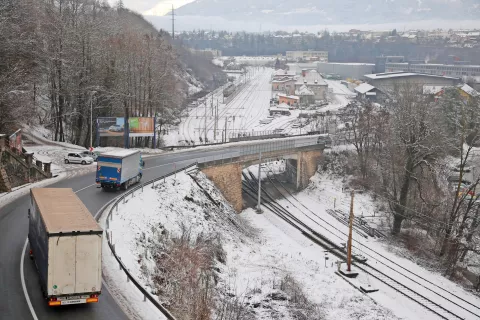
(119, 169)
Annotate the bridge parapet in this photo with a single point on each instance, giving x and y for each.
(225, 170)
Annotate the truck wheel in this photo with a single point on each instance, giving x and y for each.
(66, 161)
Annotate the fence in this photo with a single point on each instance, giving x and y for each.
(145, 293)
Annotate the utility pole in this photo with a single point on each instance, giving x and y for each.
(173, 23)
(225, 129)
(350, 227)
(215, 123)
(205, 131)
(91, 122)
(259, 209)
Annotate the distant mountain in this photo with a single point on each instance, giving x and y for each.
(320, 12)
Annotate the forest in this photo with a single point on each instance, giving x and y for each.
(65, 62)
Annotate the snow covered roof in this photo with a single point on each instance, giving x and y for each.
(469, 90)
(278, 109)
(364, 88)
(283, 106)
(282, 80)
(304, 91)
(288, 97)
(281, 72)
(312, 78)
(388, 75)
(432, 89)
(122, 153)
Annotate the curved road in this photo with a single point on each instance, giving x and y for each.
(13, 234)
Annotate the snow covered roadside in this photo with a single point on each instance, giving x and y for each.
(7, 197)
(261, 250)
(125, 292)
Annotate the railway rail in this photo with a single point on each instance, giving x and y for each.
(250, 187)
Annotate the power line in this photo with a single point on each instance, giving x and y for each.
(173, 23)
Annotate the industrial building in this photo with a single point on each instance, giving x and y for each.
(387, 82)
(459, 69)
(450, 70)
(309, 55)
(346, 70)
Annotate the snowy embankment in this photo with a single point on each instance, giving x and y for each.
(326, 193)
(261, 251)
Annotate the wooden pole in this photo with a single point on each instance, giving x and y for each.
(350, 227)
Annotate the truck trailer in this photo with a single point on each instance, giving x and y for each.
(119, 169)
(66, 246)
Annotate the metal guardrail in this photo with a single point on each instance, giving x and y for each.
(146, 294)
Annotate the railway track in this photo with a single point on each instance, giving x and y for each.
(250, 187)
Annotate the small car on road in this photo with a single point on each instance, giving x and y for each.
(78, 157)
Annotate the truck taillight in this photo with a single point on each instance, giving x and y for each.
(53, 302)
(93, 298)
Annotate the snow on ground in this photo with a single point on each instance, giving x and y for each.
(258, 258)
(326, 193)
(7, 197)
(248, 107)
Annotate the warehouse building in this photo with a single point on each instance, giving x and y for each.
(345, 70)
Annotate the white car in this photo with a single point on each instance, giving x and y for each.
(78, 158)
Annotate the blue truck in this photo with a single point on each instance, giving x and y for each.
(119, 169)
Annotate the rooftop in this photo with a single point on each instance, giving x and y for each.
(62, 211)
(391, 75)
(304, 91)
(312, 78)
(288, 97)
(364, 88)
(469, 90)
(122, 153)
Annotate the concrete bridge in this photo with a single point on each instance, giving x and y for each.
(301, 153)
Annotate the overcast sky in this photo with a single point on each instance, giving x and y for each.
(152, 7)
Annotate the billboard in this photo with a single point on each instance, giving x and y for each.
(115, 127)
(111, 127)
(16, 140)
(141, 127)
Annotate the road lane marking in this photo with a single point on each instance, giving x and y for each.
(22, 277)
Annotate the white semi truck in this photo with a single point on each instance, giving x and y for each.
(66, 245)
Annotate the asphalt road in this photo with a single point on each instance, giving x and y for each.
(13, 234)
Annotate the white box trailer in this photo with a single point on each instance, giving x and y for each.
(66, 245)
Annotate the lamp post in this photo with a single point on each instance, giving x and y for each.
(91, 118)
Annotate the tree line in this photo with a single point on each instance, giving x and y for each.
(415, 153)
(339, 47)
(64, 62)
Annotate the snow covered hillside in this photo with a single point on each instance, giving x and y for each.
(263, 254)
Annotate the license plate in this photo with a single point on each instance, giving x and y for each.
(74, 301)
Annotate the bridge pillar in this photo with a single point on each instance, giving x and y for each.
(228, 178)
(307, 163)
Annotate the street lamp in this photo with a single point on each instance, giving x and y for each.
(91, 117)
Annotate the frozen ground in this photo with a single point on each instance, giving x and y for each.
(261, 250)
